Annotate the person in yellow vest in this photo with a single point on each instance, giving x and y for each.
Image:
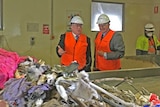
(75, 46)
(109, 46)
(148, 43)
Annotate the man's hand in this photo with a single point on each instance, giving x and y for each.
(60, 51)
(101, 53)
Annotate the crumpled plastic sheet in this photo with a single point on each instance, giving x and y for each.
(14, 91)
(36, 93)
(85, 91)
(8, 64)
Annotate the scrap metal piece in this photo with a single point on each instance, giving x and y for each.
(72, 67)
(124, 80)
(118, 100)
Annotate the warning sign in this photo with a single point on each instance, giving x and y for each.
(45, 29)
(155, 9)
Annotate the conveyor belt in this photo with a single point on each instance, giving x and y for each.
(135, 73)
(147, 77)
(148, 71)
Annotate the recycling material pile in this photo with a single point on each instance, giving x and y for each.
(8, 64)
(36, 84)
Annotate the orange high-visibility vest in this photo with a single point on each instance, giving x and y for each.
(75, 51)
(104, 45)
(152, 47)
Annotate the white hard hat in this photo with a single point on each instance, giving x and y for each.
(76, 19)
(149, 27)
(103, 19)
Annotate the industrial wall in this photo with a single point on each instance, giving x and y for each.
(33, 27)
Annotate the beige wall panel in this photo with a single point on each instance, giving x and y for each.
(17, 15)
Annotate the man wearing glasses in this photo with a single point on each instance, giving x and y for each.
(75, 46)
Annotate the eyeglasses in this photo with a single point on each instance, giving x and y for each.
(149, 31)
(77, 25)
(103, 25)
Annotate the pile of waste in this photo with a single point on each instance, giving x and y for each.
(8, 64)
(39, 85)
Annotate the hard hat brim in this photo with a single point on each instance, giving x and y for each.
(150, 30)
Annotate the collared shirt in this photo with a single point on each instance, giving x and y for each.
(103, 35)
(75, 36)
